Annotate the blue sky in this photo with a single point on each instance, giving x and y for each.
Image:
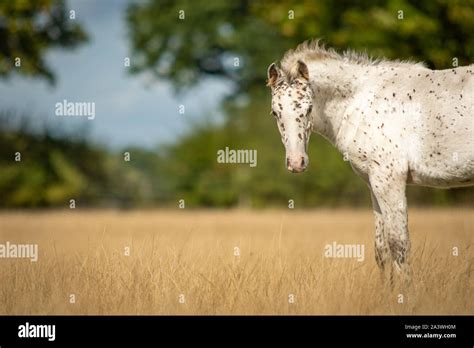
(130, 109)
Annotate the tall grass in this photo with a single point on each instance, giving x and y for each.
(186, 263)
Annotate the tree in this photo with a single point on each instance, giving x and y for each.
(28, 29)
(183, 41)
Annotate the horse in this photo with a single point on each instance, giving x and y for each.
(397, 122)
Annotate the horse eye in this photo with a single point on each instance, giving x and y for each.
(310, 109)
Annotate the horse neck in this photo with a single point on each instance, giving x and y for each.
(334, 84)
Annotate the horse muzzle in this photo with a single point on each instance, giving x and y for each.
(297, 164)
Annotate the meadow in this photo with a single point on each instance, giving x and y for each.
(229, 262)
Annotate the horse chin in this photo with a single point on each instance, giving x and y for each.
(296, 170)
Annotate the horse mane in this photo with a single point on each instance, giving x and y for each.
(313, 50)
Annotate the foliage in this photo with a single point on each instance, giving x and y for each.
(28, 29)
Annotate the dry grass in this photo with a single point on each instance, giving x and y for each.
(192, 253)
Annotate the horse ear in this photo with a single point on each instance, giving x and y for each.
(272, 74)
(303, 70)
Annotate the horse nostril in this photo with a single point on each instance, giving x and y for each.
(302, 161)
(287, 162)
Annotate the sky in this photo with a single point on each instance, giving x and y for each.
(130, 110)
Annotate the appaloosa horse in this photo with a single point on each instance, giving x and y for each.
(397, 123)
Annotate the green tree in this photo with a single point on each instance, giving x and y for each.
(28, 29)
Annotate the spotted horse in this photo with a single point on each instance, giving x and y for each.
(397, 122)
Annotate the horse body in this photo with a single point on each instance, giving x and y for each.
(420, 118)
(445, 157)
(397, 123)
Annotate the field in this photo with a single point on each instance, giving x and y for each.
(229, 262)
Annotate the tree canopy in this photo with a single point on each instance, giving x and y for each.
(28, 29)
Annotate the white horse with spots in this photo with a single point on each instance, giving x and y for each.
(397, 123)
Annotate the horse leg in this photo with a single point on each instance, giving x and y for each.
(382, 251)
(389, 191)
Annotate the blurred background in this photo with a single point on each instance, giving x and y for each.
(175, 81)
